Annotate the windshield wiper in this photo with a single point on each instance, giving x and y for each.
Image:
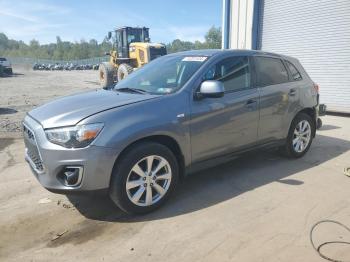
(130, 89)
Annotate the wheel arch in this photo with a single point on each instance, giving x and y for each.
(165, 140)
(311, 111)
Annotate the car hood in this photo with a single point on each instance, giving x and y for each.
(69, 110)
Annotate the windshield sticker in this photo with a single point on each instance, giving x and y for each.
(195, 58)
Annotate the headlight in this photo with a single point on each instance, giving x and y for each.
(74, 136)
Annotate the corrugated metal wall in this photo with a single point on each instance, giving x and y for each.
(317, 32)
(241, 24)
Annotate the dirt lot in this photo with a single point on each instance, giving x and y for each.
(258, 208)
(27, 89)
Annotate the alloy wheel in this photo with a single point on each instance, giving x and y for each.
(148, 181)
(301, 136)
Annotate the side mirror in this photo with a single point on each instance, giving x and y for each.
(211, 89)
(109, 35)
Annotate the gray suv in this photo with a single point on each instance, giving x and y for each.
(178, 114)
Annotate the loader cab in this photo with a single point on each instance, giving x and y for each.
(131, 50)
(127, 35)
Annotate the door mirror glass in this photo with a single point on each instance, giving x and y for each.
(211, 88)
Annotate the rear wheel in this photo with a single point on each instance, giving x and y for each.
(123, 71)
(300, 136)
(144, 178)
(106, 73)
(319, 123)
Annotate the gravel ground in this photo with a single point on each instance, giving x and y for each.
(258, 208)
(27, 89)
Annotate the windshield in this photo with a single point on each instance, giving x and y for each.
(134, 36)
(163, 75)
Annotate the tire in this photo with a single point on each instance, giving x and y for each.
(291, 149)
(122, 174)
(123, 71)
(319, 123)
(106, 73)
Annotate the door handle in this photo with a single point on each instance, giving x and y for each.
(292, 92)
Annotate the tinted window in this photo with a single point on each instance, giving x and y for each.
(270, 71)
(233, 72)
(294, 71)
(2, 59)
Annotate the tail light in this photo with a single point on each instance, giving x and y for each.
(317, 88)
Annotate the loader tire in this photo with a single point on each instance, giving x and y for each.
(106, 73)
(123, 71)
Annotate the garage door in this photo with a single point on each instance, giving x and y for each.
(317, 32)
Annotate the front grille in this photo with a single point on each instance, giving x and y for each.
(28, 133)
(32, 149)
(156, 52)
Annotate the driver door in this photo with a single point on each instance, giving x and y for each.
(223, 125)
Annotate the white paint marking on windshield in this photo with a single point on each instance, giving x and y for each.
(195, 58)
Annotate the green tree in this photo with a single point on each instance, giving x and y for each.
(213, 38)
(177, 45)
(212, 41)
(3, 41)
(34, 44)
(64, 50)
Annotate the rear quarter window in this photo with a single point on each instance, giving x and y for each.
(270, 71)
(295, 74)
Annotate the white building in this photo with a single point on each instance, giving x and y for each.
(317, 32)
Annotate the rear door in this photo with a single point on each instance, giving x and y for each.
(226, 124)
(278, 97)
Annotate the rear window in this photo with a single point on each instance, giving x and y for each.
(294, 71)
(270, 71)
(2, 59)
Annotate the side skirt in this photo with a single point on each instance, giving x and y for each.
(204, 164)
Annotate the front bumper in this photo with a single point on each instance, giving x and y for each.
(50, 160)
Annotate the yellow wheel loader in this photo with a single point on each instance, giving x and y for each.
(131, 50)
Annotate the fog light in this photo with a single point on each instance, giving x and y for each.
(71, 175)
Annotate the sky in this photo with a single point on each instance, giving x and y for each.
(43, 20)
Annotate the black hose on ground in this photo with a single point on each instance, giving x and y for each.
(318, 248)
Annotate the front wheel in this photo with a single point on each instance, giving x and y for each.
(300, 136)
(144, 178)
(106, 73)
(123, 71)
